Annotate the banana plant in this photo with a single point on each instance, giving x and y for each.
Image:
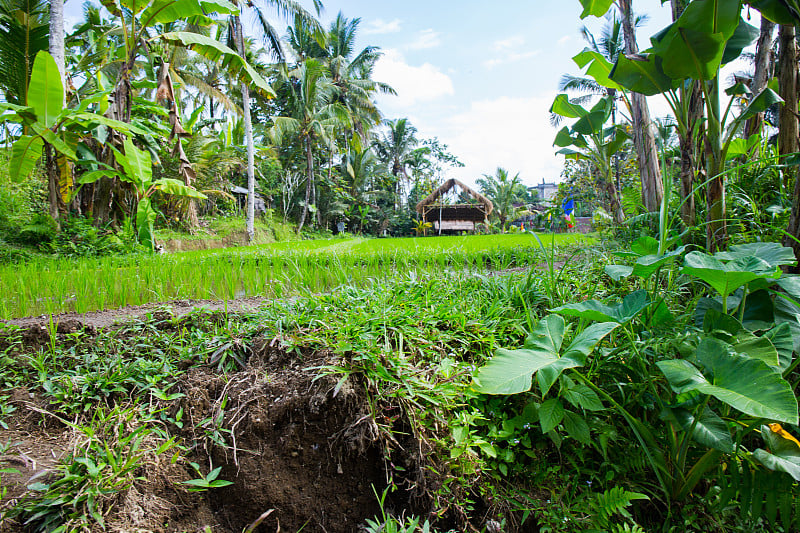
(45, 121)
(588, 138)
(137, 169)
(707, 35)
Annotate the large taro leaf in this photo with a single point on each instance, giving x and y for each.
(646, 265)
(773, 253)
(709, 429)
(617, 272)
(46, 90)
(595, 310)
(781, 338)
(510, 371)
(760, 348)
(727, 277)
(783, 454)
(744, 383)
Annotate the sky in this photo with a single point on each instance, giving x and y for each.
(480, 76)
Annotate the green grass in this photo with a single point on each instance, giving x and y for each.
(50, 286)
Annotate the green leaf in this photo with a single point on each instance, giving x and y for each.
(599, 67)
(710, 430)
(595, 8)
(621, 313)
(647, 265)
(783, 455)
(778, 11)
(175, 187)
(575, 355)
(759, 348)
(46, 89)
(166, 11)
(772, 253)
(145, 218)
(727, 277)
(642, 73)
(576, 427)
(746, 384)
(562, 106)
(743, 36)
(95, 175)
(583, 397)
(781, 338)
(617, 272)
(551, 413)
(54, 140)
(510, 371)
(137, 165)
(25, 152)
(215, 51)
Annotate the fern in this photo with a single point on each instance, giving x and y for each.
(612, 502)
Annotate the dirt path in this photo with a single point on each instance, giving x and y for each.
(68, 322)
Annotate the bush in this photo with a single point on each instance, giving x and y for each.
(41, 230)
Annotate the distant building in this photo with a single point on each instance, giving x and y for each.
(546, 191)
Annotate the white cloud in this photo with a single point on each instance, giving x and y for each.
(508, 44)
(564, 40)
(414, 84)
(512, 57)
(380, 26)
(425, 39)
(513, 133)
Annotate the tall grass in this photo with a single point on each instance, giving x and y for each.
(49, 286)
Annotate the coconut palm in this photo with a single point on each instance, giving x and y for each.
(311, 116)
(504, 192)
(396, 147)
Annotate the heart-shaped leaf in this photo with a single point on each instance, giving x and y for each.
(510, 371)
(727, 277)
(744, 383)
(621, 313)
(709, 429)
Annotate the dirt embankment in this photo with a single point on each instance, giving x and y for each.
(301, 450)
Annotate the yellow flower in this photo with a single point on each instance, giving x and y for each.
(776, 428)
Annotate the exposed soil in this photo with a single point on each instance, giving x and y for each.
(294, 443)
(72, 322)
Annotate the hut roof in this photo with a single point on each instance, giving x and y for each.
(449, 184)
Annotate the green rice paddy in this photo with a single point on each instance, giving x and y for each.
(51, 286)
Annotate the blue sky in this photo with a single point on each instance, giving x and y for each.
(480, 76)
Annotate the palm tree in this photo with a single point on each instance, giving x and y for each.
(311, 116)
(396, 147)
(286, 8)
(24, 30)
(504, 192)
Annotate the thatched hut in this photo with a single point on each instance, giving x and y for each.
(454, 217)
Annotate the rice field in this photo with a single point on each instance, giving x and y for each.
(52, 286)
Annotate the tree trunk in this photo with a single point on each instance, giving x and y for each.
(763, 62)
(688, 148)
(615, 205)
(248, 131)
(57, 51)
(788, 123)
(686, 139)
(643, 139)
(309, 181)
